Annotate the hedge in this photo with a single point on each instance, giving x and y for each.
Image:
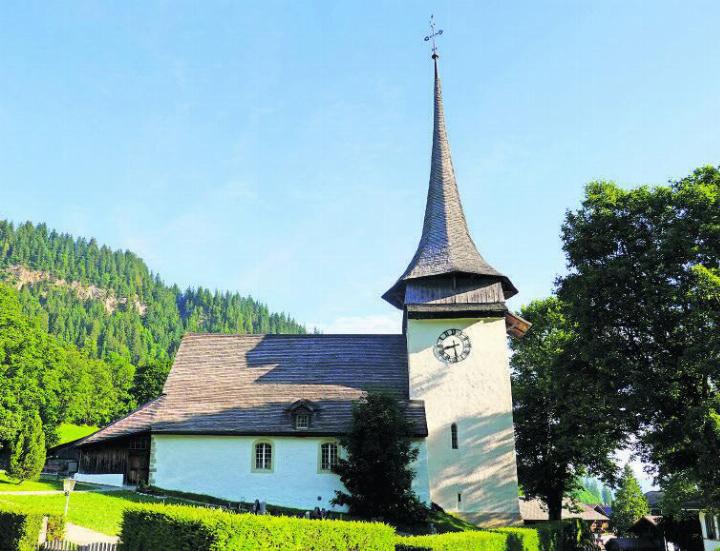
(522, 539)
(20, 528)
(548, 536)
(454, 541)
(184, 528)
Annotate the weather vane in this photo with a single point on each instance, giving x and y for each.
(432, 35)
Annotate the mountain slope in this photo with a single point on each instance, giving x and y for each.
(111, 307)
(107, 301)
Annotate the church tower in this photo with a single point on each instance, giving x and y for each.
(456, 325)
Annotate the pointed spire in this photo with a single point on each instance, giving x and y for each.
(445, 245)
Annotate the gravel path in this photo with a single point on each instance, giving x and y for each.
(100, 489)
(81, 535)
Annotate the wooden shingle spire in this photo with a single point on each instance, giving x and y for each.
(446, 248)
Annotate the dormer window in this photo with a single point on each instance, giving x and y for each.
(302, 414)
(302, 421)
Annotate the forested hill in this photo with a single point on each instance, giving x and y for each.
(109, 305)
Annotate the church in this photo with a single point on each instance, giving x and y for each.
(245, 417)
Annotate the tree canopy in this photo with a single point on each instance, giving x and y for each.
(644, 293)
(566, 421)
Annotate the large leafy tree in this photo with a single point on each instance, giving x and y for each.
(630, 504)
(644, 290)
(566, 417)
(41, 374)
(377, 470)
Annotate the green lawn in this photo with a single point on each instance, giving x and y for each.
(43, 484)
(67, 432)
(101, 512)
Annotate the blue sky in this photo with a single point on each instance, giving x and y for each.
(282, 149)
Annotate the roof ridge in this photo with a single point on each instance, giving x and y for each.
(290, 335)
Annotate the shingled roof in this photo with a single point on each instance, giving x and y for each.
(445, 245)
(244, 384)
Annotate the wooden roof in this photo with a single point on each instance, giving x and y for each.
(537, 510)
(445, 245)
(245, 384)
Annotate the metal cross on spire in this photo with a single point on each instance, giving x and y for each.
(432, 35)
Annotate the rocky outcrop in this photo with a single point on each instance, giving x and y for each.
(20, 276)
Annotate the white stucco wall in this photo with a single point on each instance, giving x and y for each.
(107, 479)
(710, 545)
(221, 466)
(476, 395)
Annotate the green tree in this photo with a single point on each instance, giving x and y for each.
(607, 495)
(566, 422)
(150, 379)
(630, 504)
(377, 470)
(27, 454)
(644, 290)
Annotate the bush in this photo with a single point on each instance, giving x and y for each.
(455, 541)
(522, 539)
(20, 528)
(27, 454)
(565, 535)
(183, 528)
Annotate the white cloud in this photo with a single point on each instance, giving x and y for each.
(362, 324)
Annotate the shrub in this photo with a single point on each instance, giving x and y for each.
(27, 454)
(20, 528)
(55, 527)
(521, 539)
(454, 541)
(183, 528)
(566, 535)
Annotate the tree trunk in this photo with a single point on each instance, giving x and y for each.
(554, 503)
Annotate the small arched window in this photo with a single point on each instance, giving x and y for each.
(328, 456)
(454, 436)
(263, 457)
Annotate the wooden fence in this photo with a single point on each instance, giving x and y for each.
(68, 546)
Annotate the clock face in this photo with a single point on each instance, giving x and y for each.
(452, 346)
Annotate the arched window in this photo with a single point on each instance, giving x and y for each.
(263, 460)
(328, 456)
(453, 436)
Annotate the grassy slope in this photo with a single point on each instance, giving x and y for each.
(101, 512)
(43, 484)
(67, 432)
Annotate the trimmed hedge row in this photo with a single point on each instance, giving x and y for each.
(20, 528)
(454, 541)
(550, 536)
(184, 528)
(521, 539)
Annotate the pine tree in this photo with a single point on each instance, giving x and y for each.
(607, 496)
(377, 471)
(27, 456)
(630, 504)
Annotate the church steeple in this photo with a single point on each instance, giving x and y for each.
(446, 248)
